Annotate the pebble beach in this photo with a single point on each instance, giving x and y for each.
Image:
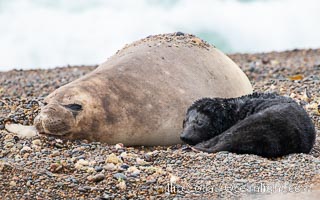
(48, 168)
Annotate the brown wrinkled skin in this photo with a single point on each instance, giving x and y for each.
(139, 95)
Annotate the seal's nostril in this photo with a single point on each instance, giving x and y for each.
(187, 139)
(184, 138)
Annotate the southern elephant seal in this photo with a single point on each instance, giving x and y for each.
(140, 94)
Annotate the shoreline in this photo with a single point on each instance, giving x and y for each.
(46, 167)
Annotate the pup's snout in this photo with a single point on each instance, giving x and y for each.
(184, 137)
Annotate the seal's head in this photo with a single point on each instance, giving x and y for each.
(196, 127)
(205, 119)
(69, 112)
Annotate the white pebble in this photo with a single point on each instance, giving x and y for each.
(122, 185)
(25, 149)
(36, 142)
(112, 158)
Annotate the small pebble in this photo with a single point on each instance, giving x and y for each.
(25, 149)
(98, 168)
(120, 176)
(36, 142)
(112, 158)
(81, 189)
(122, 185)
(109, 167)
(97, 178)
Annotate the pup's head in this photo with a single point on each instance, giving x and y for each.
(196, 127)
(204, 120)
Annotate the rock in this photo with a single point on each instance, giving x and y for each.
(98, 168)
(25, 149)
(174, 179)
(87, 187)
(241, 181)
(112, 158)
(148, 157)
(36, 142)
(9, 145)
(81, 189)
(123, 155)
(55, 167)
(151, 179)
(96, 178)
(60, 184)
(13, 183)
(120, 176)
(105, 197)
(110, 167)
(55, 153)
(122, 185)
(58, 145)
(124, 166)
(119, 146)
(5, 166)
(132, 169)
(81, 164)
(179, 33)
(90, 169)
(265, 60)
(296, 77)
(140, 161)
(197, 41)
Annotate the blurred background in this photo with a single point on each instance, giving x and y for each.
(50, 33)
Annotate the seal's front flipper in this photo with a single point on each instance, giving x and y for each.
(216, 144)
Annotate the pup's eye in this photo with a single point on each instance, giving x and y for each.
(74, 107)
(200, 122)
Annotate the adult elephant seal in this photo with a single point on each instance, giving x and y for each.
(139, 95)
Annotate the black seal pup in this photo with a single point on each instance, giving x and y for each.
(264, 124)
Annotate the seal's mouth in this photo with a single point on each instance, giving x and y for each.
(187, 140)
(190, 137)
(54, 134)
(45, 128)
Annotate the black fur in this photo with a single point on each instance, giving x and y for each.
(264, 124)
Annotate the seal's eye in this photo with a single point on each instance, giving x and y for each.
(200, 122)
(74, 107)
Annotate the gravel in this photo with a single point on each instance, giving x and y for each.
(49, 168)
